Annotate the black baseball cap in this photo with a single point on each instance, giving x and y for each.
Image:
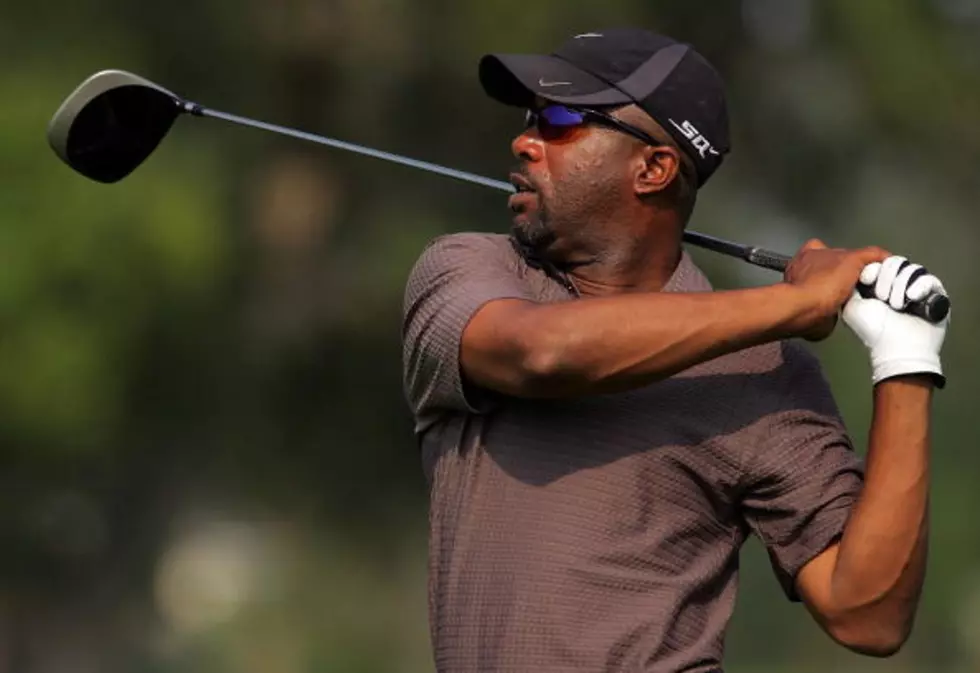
(668, 79)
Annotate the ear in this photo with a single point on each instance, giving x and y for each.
(657, 169)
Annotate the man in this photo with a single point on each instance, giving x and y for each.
(601, 431)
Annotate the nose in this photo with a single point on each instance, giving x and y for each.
(527, 146)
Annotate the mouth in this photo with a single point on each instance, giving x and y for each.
(521, 184)
(523, 200)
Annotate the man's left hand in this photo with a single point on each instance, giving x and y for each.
(899, 343)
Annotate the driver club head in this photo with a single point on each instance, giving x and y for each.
(111, 123)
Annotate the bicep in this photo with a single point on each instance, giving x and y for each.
(814, 586)
(499, 350)
(452, 281)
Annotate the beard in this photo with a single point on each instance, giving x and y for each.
(531, 228)
(533, 233)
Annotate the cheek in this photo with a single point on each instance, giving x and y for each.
(567, 176)
(579, 175)
(582, 180)
(563, 153)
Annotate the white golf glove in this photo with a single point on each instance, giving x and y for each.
(899, 343)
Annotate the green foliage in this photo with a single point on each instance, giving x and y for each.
(84, 269)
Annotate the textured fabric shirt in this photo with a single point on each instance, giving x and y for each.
(602, 533)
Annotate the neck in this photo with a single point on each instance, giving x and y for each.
(643, 263)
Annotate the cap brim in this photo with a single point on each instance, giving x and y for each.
(516, 79)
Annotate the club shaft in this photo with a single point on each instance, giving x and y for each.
(751, 254)
(352, 147)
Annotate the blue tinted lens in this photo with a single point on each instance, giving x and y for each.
(559, 115)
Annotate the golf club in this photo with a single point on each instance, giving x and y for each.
(114, 120)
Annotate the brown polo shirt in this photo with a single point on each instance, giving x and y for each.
(602, 533)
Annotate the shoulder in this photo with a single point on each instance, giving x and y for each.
(778, 378)
(802, 373)
(688, 277)
(798, 360)
(786, 363)
(468, 246)
(805, 396)
(476, 265)
(776, 366)
(465, 259)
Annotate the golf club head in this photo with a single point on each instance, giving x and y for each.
(111, 123)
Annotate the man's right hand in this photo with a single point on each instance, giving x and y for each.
(827, 278)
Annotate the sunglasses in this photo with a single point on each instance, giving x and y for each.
(555, 121)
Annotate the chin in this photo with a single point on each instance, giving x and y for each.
(533, 234)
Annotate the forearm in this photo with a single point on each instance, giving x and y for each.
(618, 343)
(881, 560)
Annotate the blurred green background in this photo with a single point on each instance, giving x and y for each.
(206, 464)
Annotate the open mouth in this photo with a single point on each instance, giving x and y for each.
(521, 184)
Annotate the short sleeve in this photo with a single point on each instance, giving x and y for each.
(802, 484)
(452, 279)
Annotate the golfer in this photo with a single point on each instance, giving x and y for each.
(601, 431)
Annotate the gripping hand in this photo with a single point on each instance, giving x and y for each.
(900, 344)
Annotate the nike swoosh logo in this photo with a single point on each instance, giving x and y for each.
(541, 82)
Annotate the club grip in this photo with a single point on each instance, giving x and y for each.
(933, 308)
(767, 259)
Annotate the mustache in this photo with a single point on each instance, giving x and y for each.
(521, 169)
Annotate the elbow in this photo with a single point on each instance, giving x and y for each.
(879, 648)
(873, 637)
